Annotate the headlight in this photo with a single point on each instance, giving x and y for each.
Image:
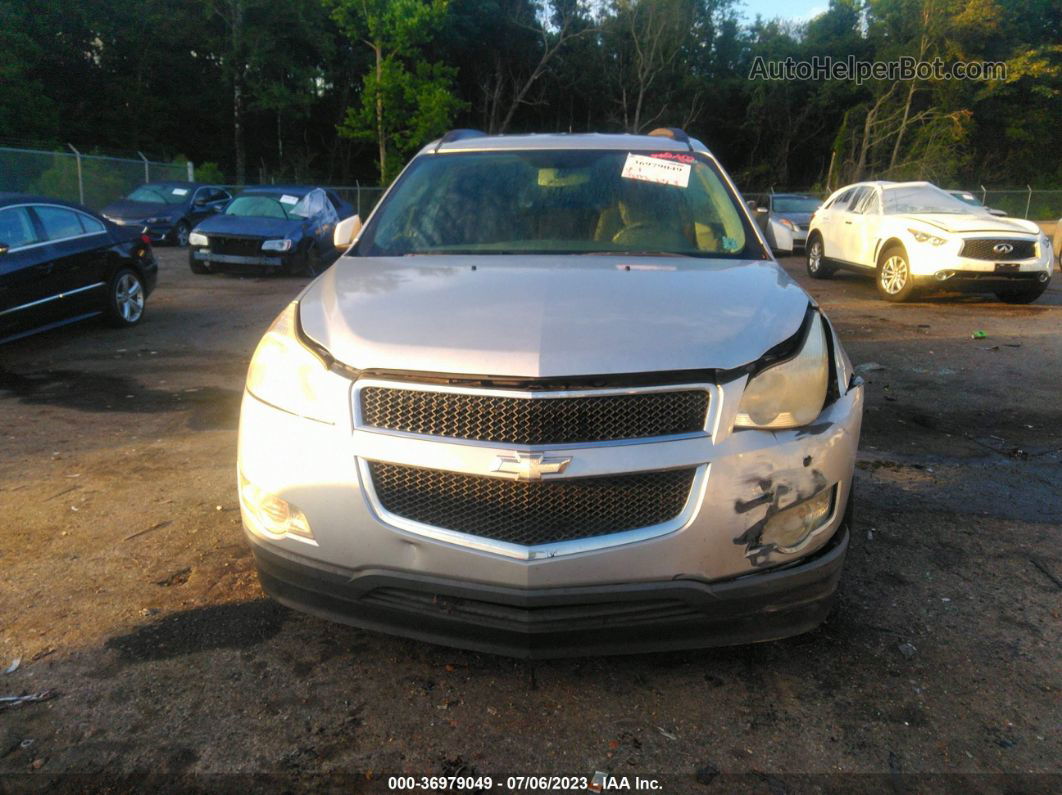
(286, 374)
(925, 237)
(789, 394)
(277, 245)
(1045, 244)
(198, 239)
(787, 224)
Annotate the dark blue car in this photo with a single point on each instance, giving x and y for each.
(167, 211)
(282, 229)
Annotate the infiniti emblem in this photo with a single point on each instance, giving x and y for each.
(529, 466)
(1002, 248)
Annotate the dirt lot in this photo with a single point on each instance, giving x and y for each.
(128, 591)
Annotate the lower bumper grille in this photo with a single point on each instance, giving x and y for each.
(984, 248)
(569, 618)
(535, 512)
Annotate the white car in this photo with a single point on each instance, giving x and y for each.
(913, 233)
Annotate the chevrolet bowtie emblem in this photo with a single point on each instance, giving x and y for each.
(529, 466)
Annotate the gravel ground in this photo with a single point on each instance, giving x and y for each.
(129, 594)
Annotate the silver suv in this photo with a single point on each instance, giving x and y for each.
(557, 399)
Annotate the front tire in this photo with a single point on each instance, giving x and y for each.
(817, 265)
(181, 233)
(893, 278)
(126, 299)
(1022, 295)
(311, 262)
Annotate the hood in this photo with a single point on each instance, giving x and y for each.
(250, 226)
(137, 211)
(968, 222)
(540, 316)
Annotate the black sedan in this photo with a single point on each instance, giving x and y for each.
(167, 211)
(61, 263)
(273, 228)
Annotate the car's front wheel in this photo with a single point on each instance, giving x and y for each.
(180, 233)
(818, 267)
(1022, 295)
(894, 279)
(125, 298)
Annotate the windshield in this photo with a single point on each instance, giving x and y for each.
(559, 202)
(921, 199)
(159, 194)
(266, 206)
(796, 204)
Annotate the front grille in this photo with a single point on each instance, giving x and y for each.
(568, 618)
(517, 420)
(531, 512)
(982, 249)
(238, 246)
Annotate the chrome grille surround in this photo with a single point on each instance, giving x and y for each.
(688, 416)
(591, 460)
(546, 549)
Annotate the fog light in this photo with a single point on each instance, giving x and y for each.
(1044, 276)
(943, 276)
(787, 529)
(273, 516)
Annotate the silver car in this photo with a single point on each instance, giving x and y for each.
(557, 399)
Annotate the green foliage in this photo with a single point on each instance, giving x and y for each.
(405, 100)
(209, 172)
(158, 76)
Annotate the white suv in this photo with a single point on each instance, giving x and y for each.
(911, 233)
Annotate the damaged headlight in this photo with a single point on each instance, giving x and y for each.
(287, 375)
(792, 393)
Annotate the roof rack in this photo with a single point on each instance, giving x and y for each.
(459, 135)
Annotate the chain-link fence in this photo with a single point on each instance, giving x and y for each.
(96, 180)
(92, 180)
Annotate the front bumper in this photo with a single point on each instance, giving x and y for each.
(318, 467)
(622, 618)
(208, 257)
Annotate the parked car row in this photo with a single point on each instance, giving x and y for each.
(61, 263)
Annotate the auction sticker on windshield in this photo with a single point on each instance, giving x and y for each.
(180, 191)
(651, 169)
(286, 199)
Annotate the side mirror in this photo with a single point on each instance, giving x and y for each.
(347, 232)
(3, 248)
(200, 202)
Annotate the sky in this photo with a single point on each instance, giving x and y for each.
(786, 9)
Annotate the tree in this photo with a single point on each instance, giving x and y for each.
(405, 100)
